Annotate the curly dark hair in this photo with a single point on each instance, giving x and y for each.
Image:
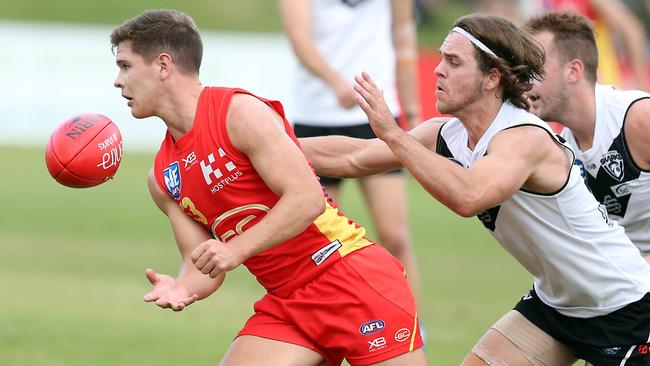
(163, 30)
(519, 58)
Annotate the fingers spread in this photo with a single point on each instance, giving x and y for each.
(151, 296)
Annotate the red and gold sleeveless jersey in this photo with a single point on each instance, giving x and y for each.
(217, 185)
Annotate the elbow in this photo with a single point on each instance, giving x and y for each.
(466, 206)
(466, 212)
(314, 206)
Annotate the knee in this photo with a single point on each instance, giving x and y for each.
(397, 242)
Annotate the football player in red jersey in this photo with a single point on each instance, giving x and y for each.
(237, 189)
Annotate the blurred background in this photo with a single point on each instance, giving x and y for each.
(72, 261)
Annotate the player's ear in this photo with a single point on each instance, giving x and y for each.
(164, 61)
(574, 71)
(493, 79)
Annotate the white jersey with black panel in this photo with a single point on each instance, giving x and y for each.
(353, 36)
(582, 262)
(609, 170)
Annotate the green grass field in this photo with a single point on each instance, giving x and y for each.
(72, 275)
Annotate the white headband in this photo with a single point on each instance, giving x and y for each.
(473, 39)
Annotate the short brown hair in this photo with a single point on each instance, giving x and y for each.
(519, 58)
(573, 38)
(163, 30)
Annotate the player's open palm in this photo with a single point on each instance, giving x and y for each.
(167, 292)
(213, 258)
(373, 104)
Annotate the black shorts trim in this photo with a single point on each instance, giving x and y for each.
(604, 340)
(360, 131)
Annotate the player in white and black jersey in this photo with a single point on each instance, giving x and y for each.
(495, 160)
(608, 128)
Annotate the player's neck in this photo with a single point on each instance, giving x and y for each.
(477, 118)
(179, 110)
(581, 117)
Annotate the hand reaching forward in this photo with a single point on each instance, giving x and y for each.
(371, 100)
(214, 258)
(167, 292)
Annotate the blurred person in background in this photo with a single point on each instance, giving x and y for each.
(237, 189)
(620, 35)
(608, 128)
(333, 41)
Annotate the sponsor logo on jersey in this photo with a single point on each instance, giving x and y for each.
(624, 189)
(173, 180)
(372, 327)
(324, 252)
(190, 160)
(643, 349)
(402, 335)
(218, 170)
(611, 350)
(528, 296)
(612, 162)
(209, 171)
(377, 344)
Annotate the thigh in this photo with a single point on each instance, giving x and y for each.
(252, 350)
(414, 358)
(513, 337)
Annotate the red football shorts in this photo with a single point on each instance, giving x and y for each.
(360, 309)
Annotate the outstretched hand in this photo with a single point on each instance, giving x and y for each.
(371, 100)
(167, 292)
(213, 258)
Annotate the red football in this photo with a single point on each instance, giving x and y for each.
(84, 151)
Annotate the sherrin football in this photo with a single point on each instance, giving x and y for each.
(84, 151)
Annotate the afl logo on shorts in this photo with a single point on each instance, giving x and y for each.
(371, 327)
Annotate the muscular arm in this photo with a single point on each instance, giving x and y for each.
(257, 131)
(406, 56)
(637, 133)
(347, 157)
(189, 234)
(515, 158)
(296, 17)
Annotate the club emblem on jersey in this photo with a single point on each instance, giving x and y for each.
(173, 180)
(612, 162)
